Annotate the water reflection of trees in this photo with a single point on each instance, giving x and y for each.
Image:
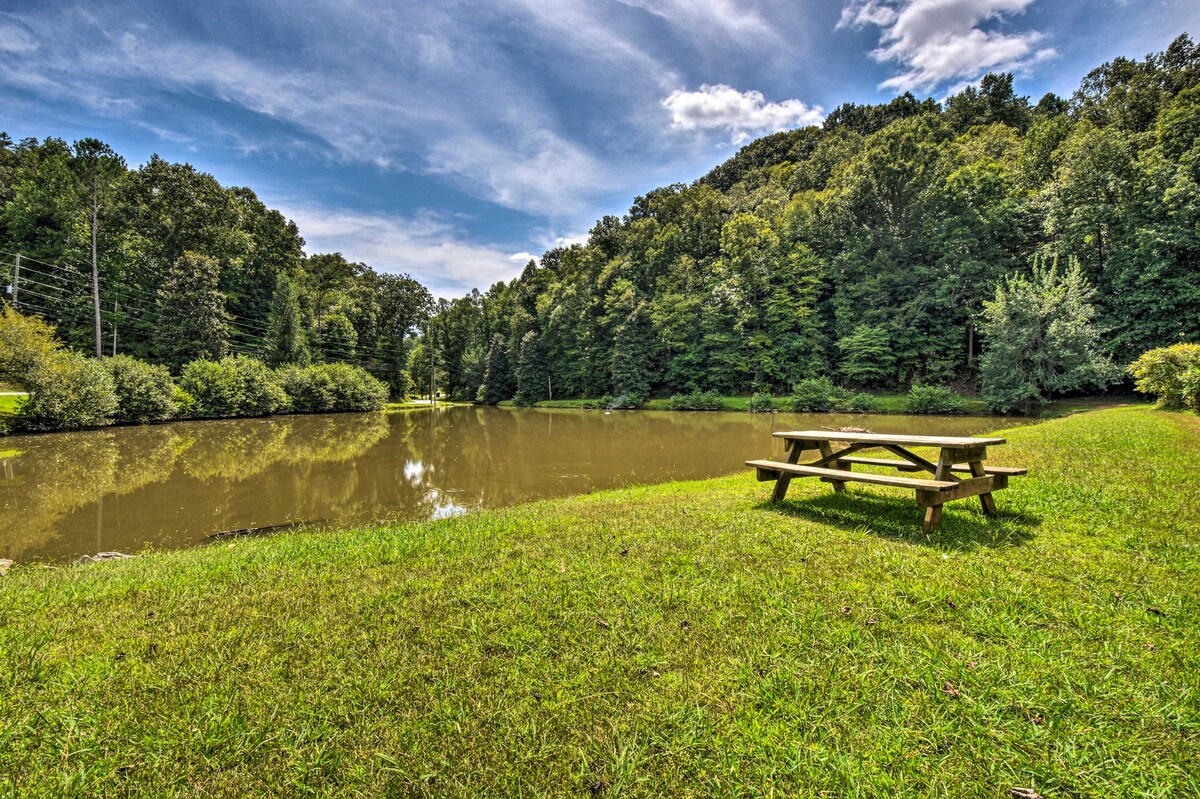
(61, 474)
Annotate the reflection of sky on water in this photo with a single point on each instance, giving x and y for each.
(414, 471)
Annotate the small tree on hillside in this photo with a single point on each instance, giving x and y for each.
(531, 370)
(1041, 339)
(867, 355)
(285, 329)
(192, 322)
(497, 380)
(633, 352)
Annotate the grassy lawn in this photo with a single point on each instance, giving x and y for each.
(9, 403)
(680, 640)
(888, 403)
(408, 405)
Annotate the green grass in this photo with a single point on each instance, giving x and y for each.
(889, 403)
(9, 404)
(409, 405)
(688, 639)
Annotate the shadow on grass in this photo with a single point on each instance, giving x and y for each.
(963, 527)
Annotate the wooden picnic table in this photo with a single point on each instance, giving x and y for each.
(958, 455)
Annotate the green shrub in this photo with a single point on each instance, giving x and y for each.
(1165, 372)
(310, 388)
(67, 391)
(322, 388)
(1191, 388)
(818, 395)
(697, 401)
(626, 402)
(27, 343)
(933, 399)
(145, 392)
(234, 386)
(185, 404)
(863, 403)
(354, 388)
(760, 403)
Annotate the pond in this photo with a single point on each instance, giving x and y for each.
(182, 484)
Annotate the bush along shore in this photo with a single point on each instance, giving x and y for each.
(69, 391)
(687, 639)
(815, 395)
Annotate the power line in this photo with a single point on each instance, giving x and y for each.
(384, 357)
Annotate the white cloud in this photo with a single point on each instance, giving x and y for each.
(425, 246)
(740, 114)
(935, 41)
(15, 40)
(704, 18)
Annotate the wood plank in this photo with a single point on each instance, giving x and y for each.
(971, 487)
(1011, 471)
(889, 438)
(802, 470)
(989, 504)
(911, 457)
(826, 456)
(905, 466)
(794, 450)
(933, 518)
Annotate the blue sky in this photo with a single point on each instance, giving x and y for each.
(451, 139)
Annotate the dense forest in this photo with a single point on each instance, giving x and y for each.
(862, 250)
(186, 268)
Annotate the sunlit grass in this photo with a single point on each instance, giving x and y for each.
(888, 403)
(680, 640)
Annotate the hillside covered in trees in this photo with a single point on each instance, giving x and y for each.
(862, 249)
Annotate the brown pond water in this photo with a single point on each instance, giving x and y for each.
(176, 485)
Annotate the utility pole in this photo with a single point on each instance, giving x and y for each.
(549, 388)
(16, 277)
(95, 266)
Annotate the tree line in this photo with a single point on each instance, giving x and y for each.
(165, 264)
(865, 249)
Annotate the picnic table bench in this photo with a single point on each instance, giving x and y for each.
(958, 455)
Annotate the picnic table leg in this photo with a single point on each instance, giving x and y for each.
(933, 518)
(989, 504)
(782, 482)
(933, 514)
(826, 452)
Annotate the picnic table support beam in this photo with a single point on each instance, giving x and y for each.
(794, 449)
(826, 456)
(985, 499)
(933, 513)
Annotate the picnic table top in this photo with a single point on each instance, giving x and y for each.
(888, 438)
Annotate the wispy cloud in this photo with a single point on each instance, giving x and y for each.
(426, 246)
(937, 41)
(740, 114)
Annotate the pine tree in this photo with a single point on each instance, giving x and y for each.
(531, 370)
(285, 330)
(497, 381)
(192, 322)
